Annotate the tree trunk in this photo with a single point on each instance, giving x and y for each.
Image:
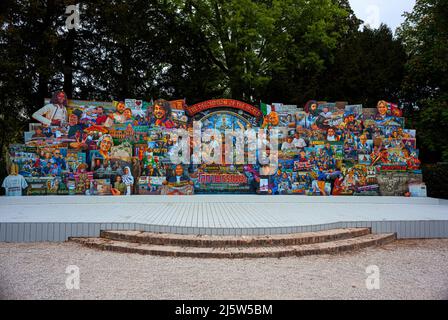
(68, 63)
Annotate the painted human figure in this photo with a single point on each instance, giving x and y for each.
(274, 118)
(58, 159)
(127, 114)
(328, 150)
(350, 180)
(119, 187)
(101, 117)
(74, 124)
(298, 142)
(382, 110)
(287, 145)
(179, 176)
(363, 146)
(318, 185)
(284, 183)
(331, 135)
(54, 113)
(312, 113)
(337, 186)
(14, 183)
(162, 114)
(105, 144)
(271, 120)
(128, 180)
(83, 181)
(118, 115)
(38, 133)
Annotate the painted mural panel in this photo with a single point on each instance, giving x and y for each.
(127, 147)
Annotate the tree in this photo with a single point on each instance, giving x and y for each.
(29, 64)
(316, 35)
(254, 42)
(425, 36)
(124, 49)
(368, 66)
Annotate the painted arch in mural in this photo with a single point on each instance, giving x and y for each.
(224, 114)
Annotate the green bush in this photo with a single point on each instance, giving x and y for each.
(436, 179)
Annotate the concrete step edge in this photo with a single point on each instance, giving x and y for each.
(333, 247)
(233, 241)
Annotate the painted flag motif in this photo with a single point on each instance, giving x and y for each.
(266, 108)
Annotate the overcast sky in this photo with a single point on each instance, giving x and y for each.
(375, 12)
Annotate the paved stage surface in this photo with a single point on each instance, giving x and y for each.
(224, 214)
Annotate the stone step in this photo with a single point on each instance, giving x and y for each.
(332, 247)
(233, 241)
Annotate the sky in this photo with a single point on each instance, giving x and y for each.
(375, 12)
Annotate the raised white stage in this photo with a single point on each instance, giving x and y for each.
(55, 218)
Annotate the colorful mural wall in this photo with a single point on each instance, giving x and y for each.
(123, 148)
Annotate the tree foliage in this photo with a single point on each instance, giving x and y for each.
(271, 50)
(424, 35)
(368, 65)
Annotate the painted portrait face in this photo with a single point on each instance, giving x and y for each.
(106, 144)
(99, 110)
(61, 97)
(120, 107)
(159, 111)
(363, 139)
(179, 170)
(57, 153)
(331, 132)
(73, 120)
(127, 113)
(274, 118)
(382, 108)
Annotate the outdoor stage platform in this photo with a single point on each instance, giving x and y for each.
(55, 218)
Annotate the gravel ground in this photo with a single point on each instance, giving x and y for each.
(411, 269)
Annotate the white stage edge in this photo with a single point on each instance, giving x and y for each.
(55, 218)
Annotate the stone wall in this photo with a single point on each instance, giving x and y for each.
(396, 183)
